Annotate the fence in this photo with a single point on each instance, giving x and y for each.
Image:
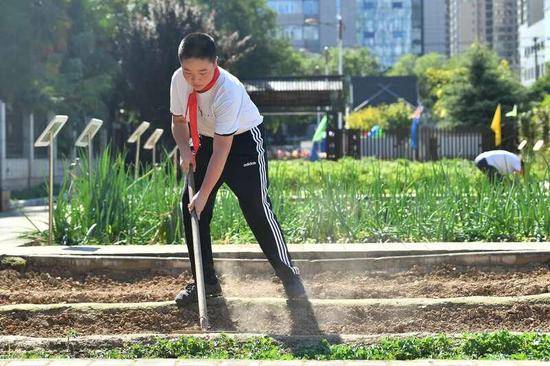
(432, 143)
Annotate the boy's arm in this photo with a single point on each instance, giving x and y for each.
(222, 145)
(220, 151)
(180, 132)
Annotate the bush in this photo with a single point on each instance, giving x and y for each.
(388, 117)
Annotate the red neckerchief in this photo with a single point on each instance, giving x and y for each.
(192, 106)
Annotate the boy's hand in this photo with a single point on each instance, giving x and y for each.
(197, 202)
(186, 159)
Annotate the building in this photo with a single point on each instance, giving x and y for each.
(312, 24)
(491, 22)
(532, 39)
(389, 28)
(435, 34)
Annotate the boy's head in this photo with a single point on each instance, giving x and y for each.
(197, 55)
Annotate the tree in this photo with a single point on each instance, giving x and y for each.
(33, 37)
(87, 68)
(148, 52)
(540, 88)
(481, 83)
(357, 62)
(404, 66)
(268, 55)
(421, 67)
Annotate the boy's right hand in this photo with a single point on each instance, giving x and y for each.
(186, 159)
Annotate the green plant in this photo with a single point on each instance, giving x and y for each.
(494, 345)
(344, 201)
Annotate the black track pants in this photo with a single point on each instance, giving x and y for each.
(245, 173)
(489, 170)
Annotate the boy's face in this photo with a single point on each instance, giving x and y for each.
(198, 72)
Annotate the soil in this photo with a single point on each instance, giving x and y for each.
(281, 319)
(440, 282)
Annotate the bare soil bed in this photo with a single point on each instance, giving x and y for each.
(443, 281)
(299, 318)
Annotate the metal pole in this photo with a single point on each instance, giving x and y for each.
(340, 46)
(31, 149)
(154, 156)
(340, 30)
(199, 273)
(340, 25)
(90, 158)
(136, 168)
(50, 213)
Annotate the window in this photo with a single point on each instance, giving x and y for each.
(311, 33)
(369, 25)
(293, 32)
(368, 5)
(397, 5)
(286, 6)
(368, 34)
(398, 34)
(311, 7)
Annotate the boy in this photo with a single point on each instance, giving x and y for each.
(212, 107)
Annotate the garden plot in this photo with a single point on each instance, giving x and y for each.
(444, 298)
(443, 281)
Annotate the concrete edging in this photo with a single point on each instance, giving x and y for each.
(129, 264)
(237, 301)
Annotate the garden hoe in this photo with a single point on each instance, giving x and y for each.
(201, 292)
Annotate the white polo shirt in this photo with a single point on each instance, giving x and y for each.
(503, 161)
(225, 109)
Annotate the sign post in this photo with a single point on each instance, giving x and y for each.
(174, 156)
(136, 138)
(85, 140)
(46, 139)
(152, 142)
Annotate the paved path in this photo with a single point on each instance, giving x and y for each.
(16, 222)
(170, 362)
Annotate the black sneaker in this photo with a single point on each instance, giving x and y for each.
(294, 289)
(190, 294)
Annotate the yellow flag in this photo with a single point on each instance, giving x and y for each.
(495, 126)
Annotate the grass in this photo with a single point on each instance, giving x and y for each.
(501, 345)
(344, 201)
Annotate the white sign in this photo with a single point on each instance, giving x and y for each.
(51, 130)
(89, 132)
(138, 132)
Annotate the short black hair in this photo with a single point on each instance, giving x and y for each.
(197, 45)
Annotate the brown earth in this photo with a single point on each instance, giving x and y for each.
(282, 318)
(440, 282)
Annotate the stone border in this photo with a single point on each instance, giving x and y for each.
(276, 301)
(298, 251)
(260, 267)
